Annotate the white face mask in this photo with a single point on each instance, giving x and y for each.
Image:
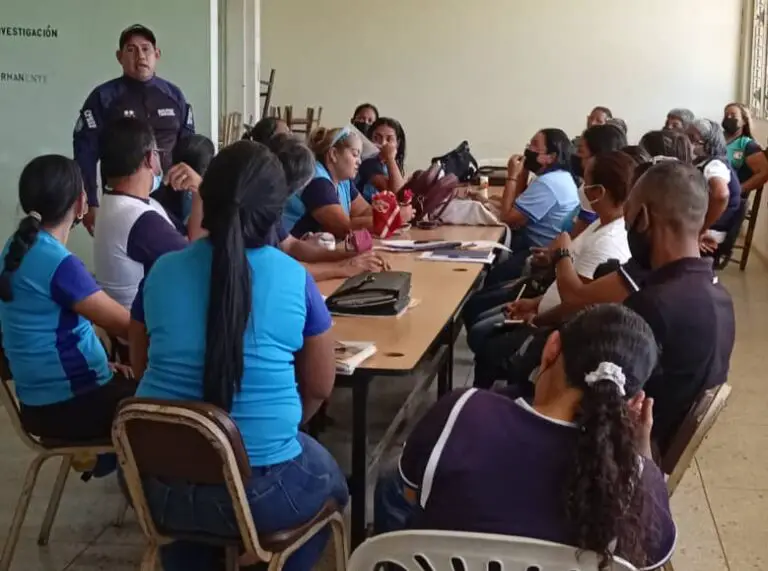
(586, 204)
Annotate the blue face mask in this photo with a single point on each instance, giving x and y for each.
(156, 182)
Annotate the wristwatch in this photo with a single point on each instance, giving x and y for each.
(561, 253)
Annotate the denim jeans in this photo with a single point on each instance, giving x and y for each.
(281, 497)
(392, 511)
(484, 326)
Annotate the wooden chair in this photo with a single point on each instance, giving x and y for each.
(303, 126)
(44, 450)
(198, 443)
(231, 128)
(692, 432)
(751, 219)
(266, 92)
(429, 550)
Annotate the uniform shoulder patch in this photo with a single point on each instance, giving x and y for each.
(90, 120)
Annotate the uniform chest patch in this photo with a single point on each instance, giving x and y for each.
(166, 113)
(129, 113)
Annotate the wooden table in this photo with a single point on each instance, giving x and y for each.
(426, 331)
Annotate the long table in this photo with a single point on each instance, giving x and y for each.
(420, 339)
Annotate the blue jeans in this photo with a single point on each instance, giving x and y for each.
(484, 326)
(392, 511)
(281, 497)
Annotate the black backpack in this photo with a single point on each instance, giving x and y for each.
(459, 162)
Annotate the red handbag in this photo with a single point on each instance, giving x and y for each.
(431, 194)
(359, 241)
(386, 214)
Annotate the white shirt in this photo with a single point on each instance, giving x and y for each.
(116, 272)
(596, 245)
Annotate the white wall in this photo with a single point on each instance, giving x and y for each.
(38, 117)
(495, 71)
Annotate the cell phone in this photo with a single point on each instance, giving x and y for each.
(507, 322)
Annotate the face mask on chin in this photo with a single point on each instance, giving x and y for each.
(531, 164)
(157, 180)
(639, 246)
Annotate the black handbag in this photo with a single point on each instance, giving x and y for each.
(459, 162)
(382, 294)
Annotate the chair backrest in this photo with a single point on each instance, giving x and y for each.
(189, 441)
(302, 125)
(692, 432)
(266, 92)
(428, 550)
(11, 403)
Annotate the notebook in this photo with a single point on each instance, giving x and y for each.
(350, 354)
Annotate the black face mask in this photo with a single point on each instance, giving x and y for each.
(530, 163)
(362, 126)
(730, 125)
(577, 166)
(639, 246)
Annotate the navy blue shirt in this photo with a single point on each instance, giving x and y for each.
(370, 168)
(156, 101)
(692, 318)
(318, 193)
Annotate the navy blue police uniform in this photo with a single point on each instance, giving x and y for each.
(156, 101)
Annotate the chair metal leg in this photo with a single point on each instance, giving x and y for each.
(21, 511)
(149, 560)
(122, 511)
(276, 563)
(53, 503)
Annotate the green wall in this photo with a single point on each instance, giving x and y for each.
(38, 113)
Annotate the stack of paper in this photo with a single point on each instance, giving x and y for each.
(460, 255)
(350, 354)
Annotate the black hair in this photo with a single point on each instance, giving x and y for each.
(195, 151)
(638, 154)
(603, 498)
(124, 145)
(668, 143)
(558, 143)
(604, 110)
(263, 131)
(399, 133)
(614, 171)
(243, 195)
(619, 123)
(363, 107)
(48, 187)
(604, 138)
(297, 160)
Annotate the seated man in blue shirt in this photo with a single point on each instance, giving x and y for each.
(538, 210)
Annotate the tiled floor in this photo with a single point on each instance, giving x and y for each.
(720, 506)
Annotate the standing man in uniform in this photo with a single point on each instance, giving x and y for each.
(137, 93)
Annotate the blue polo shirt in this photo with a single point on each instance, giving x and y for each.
(548, 203)
(370, 168)
(321, 191)
(286, 308)
(53, 352)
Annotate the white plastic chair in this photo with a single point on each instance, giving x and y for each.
(446, 550)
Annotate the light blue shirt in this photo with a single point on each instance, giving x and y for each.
(53, 352)
(296, 207)
(548, 203)
(286, 308)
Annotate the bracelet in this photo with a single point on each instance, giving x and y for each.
(511, 179)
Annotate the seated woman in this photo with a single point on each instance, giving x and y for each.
(599, 116)
(364, 116)
(667, 143)
(711, 158)
(386, 171)
(49, 304)
(331, 202)
(265, 129)
(679, 119)
(744, 153)
(246, 330)
(595, 140)
(607, 183)
(572, 466)
(539, 209)
(193, 153)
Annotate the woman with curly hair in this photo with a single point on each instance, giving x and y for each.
(571, 466)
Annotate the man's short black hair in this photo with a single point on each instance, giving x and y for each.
(136, 30)
(124, 145)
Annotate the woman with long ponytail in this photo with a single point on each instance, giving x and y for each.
(573, 465)
(235, 322)
(49, 303)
